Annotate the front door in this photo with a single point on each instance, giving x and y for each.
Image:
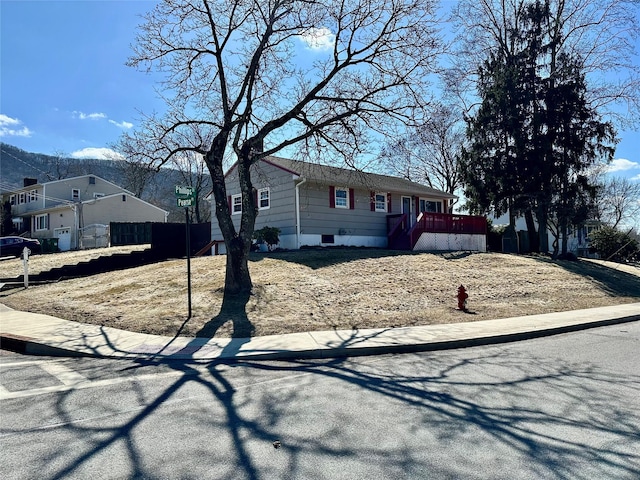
(406, 208)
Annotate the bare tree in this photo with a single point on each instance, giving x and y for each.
(136, 174)
(429, 154)
(60, 166)
(619, 202)
(193, 172)
(239, 79)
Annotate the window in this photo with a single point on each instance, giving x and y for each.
(342, 198)
(12, 199)
(327, 239)
(22, 198)
(264, 199)
(92, 180)
(42, 222)
(75, 194)
(236, 204)
(430, 206)
(33, 195)
(98, 195)
(380, 202)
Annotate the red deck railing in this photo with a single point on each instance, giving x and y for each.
(433, 223)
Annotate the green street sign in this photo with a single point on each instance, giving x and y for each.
(185, 196)
(186, 202)
(185, 191)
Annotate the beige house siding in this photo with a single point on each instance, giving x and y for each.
(62, 190)
(120, 208)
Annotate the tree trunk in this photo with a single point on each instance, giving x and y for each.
(237, 278)
(534, 241)
(237, 242)
(541, 216)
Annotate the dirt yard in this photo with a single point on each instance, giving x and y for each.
(323, 290)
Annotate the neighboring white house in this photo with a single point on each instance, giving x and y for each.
(62, 208)
(319, 205)
(578, 238)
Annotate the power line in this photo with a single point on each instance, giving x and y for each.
(46, 174)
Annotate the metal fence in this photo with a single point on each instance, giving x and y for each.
(94, 236)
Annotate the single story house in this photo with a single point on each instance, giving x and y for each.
(62, 209)
(320, 205)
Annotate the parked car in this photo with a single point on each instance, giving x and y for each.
(13, 246)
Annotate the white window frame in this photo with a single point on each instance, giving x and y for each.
(33, 196)
(22, 198)
(12, 199)
(98, 195)
(75, 194)
(380, 205)
(267, 198)
(41, 219)
(236, 201)
(341, 199)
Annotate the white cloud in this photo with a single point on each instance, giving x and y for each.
(88, 116)
(10, 127)
(318, 38)
(97, 153)
(636, 178)
(622, 164)
(123, 124)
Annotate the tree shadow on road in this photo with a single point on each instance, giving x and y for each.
(538, 414)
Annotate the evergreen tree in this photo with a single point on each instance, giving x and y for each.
(534, 136)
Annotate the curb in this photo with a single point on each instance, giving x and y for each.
(28, 345)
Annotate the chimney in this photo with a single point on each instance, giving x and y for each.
(27, 182)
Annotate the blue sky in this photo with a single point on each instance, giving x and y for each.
(65, 88)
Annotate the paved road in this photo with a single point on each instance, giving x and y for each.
(561, 407)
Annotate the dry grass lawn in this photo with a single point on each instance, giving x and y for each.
(323, 290)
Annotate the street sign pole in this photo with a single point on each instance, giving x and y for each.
(186, 197)
(186, 211)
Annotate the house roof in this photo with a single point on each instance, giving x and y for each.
(352, 178)
(64, 180)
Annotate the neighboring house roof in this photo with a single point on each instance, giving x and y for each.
(125, 192)
(65, 180)
(352, 178)
(70, 205)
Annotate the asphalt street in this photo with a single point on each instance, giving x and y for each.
(560, 407)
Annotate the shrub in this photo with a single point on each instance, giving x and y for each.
(614, 245)
(268, 235)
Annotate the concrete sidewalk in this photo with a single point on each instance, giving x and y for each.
(45, 335)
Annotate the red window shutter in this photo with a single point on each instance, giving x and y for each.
(388, 203)
(352, 198)
(229, 202)
(373, 201)
(48, 221)
(332, 196)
